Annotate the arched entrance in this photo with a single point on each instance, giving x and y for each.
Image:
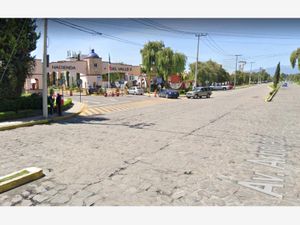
(37, 83)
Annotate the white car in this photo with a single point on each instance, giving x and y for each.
(135, 91)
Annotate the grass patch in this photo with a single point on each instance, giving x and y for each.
(67, 104)
(21, 173)
(10, 115)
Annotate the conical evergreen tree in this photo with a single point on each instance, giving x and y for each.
(277, 75)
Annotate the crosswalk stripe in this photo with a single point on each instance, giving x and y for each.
(122, 107)
(93, 110)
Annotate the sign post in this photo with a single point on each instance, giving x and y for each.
(79, 84)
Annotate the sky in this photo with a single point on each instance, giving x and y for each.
(265, 42)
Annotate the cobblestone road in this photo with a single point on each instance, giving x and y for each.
(231, 149)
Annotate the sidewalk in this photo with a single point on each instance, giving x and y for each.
(76, 109)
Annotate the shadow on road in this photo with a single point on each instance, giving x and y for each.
(100, 120)
(83, 120)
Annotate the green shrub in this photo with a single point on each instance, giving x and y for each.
(33, 101)
(51, 91)
(182, 92)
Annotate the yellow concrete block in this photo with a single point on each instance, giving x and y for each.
(19, 178)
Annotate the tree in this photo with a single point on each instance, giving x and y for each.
(277, 75)
(179, 61)
(165, 62)
(68, 78)
(53, 78)
(209, 71)
(295, 56)
(17, 40)
(149, 55)
(162, 61)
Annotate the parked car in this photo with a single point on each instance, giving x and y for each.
(221, 87)
(135, 91)
(284, 84)
(199, 92)
(92, 90)
(168, 93)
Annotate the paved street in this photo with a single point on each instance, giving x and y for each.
(101, 101)
(231, 149)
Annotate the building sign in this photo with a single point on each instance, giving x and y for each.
(62, 67)
(113, 68)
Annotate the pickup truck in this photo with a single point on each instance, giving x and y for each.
(221, 87)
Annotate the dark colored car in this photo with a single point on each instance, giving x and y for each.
(92, 90)
(285, 84)
(168, 93)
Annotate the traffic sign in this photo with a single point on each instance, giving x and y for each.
(79, 82)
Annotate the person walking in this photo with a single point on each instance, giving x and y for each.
(51, 104)
(58, 104)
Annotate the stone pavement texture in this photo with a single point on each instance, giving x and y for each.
(183, 152)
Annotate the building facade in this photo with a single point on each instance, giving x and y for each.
(90, 69)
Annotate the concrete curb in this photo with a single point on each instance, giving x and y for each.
(32, 174)
(270, 97)
(47, 121)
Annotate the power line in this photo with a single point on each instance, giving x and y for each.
(160, 26)
(151, 32)
(170, 28)
(217, 46)
(209, 44)
(94, 32)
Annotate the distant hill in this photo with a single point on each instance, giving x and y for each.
(283, 69)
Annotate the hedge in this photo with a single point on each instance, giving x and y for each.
(33, 101)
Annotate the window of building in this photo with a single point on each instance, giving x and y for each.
(95, 65)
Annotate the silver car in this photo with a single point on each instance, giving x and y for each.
(135, 91)
(199, 92)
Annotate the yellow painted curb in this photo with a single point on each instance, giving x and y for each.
(270, 97)
(83, 108)
(28, 124)
(31, 174)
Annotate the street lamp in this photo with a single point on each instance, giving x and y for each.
(250, 73)
(151, 69)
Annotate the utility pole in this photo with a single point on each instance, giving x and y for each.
(196, 67)
(250, 72)
(45, 86)
(242, 65)
(236, 62)
(259, 76)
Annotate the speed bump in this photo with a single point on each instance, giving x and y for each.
(19, 178)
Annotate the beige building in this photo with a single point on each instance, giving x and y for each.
(90, 69)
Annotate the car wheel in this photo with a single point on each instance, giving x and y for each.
(188, 97)
(224, 88)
